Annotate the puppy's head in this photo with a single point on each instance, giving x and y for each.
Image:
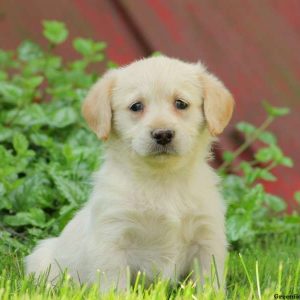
(158, 106)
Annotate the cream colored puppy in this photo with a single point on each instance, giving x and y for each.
(155, 205)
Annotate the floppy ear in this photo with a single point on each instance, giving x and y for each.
(218, 104)
(96, 107)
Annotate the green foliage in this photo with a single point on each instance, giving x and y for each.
(88, 48)
(55, 32)
(297, 197)
(275, 111)
(47, 153)
(252, 212)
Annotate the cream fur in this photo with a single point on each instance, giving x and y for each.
(151, 213)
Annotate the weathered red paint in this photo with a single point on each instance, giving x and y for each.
(162, 9)
(252, 45)
(106, 23)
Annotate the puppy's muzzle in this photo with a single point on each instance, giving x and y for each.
(163, 136)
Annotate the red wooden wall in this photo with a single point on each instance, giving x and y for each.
(252, 45)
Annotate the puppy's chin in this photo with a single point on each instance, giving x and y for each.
(162, 150)
(155, 151)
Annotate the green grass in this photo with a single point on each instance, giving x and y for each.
(258, 272)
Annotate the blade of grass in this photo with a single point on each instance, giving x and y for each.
(248, 275)
(257, 280)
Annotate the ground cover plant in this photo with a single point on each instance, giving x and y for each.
(47, 156)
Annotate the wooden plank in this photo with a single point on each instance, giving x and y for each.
(94, 19)
(249, 45)
(252, 45)
(289, 11)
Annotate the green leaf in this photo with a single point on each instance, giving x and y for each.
(68, 152)
(266, 175)
(297, 197)
(20, 143)
(10, 92)
(3, 75)
(34, 67)
(252, 176)
(111, 64)
(88, 47)
(275, 203)
(35, 217)
(6, 133)
(97, 57)
(228, 156)
(32, 82)
(83, 46)
(267, 137)
(246, 168)
(31, 115)
(68, 189)
(55, 31)
(10, 243)
(264, 155)
(275, 111)
(7, 59)
(287, 162)
(79, 65)
(64, 117)
(36, 232)
(53, 62)
(99, 46)
(28, 51)
(238, 227)
(41, 139)
(156, 53)
(276, 153)
(2, 189)
(245, 127)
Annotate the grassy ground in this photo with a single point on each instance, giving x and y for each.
(259, 272)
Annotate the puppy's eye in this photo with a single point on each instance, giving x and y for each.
(136, 107)
(179, 104)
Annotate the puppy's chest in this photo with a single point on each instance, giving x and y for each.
(169, 201)
(156, 228)
(160, 240)
(164, 221)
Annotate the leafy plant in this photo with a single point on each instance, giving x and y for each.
(252, 211)
(47, 153)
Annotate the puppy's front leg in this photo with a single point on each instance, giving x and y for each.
(208, 264)
(112, 269)
(115, 278)
(208, 247)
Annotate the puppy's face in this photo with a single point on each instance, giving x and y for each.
(158, 106)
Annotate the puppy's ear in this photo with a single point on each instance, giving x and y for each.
(218, 103)
(96, 107)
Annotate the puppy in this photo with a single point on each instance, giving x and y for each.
(155, 206)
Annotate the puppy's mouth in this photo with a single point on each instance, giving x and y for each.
(162, 150)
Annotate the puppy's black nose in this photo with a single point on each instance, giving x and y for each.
(163, 136)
